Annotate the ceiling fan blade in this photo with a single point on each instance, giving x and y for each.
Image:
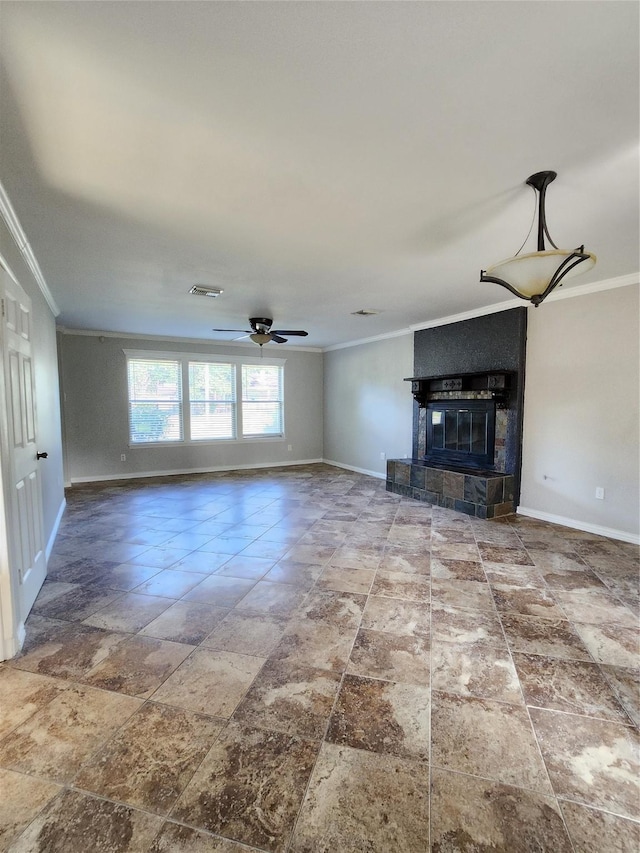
(275, 337)
(299, 332)
(241, 338)
(244, 331)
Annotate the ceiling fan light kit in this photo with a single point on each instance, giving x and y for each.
(260, 338)
(533, 276)
(261, 332)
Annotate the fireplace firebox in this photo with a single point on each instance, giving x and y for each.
(461, 432)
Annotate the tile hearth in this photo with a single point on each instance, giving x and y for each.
(297, 661)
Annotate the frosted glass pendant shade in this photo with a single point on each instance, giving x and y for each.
(531, 274)
(535, 275)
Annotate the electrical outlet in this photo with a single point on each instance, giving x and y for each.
(383, 455)
(289, 446)
(123, 457)
(600, 493)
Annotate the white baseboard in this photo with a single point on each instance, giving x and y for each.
(141, 475)
(375, 474)
(575, 524)
(54, 529)
(10, 646)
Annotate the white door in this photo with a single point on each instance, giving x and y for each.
(23, 490)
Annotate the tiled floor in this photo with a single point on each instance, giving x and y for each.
(296, 660)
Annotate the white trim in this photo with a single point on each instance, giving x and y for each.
(166, 355)
(594, 287)
(581, 290)
(397, 334)
(469, 315)
(140, 475)
(54, 529)
(21, 636)
(8, 270)
(10, 646)
(366, 471)
(93, 333)
(576, 524)
(558, 294)
(10, 218)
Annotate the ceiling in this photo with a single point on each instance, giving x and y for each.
(311, 158)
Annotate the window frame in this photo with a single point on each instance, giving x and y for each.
(233, 402)
(249, 403)
(184, 359)
(179, 402)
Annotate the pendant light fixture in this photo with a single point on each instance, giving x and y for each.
(535, 275)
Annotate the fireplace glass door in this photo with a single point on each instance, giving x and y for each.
(461, 432)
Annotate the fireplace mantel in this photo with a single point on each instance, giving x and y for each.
(498, 384)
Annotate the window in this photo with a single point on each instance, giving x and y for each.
(261, 399)
(155, 400)
(188, 398)
(212, 400)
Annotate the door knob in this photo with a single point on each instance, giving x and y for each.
(42, 455)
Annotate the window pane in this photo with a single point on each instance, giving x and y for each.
(262, 402)
(451, 430)
(155, 400)
(479, 440)
(437, 419)
(212, 400)
(262, 419)
(153, 380)
(209, 381)
(155, 422)
(464, 431)
(261, 382)
(212, 421)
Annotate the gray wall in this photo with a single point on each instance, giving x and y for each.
(94, 380)
(581, 406)
(46, 384)
(368, 408)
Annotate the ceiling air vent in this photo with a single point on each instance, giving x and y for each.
(364, 312)
(201, 290)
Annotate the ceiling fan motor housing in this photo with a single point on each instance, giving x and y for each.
(261, 324)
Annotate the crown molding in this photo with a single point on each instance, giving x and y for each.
(397, 334)
(595, 287)
(10, 219)
(209, 342)
(555, 296)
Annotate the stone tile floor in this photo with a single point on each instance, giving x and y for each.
(297, 660)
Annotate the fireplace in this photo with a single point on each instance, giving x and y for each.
(463, 444)
(461, 433)
(468, 389)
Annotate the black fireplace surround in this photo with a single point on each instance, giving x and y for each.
(467, 432)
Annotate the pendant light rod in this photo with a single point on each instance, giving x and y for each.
(540, 181)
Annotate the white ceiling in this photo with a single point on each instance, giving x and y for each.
(311, 158)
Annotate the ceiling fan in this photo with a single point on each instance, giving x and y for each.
(261, 332)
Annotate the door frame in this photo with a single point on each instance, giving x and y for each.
(12, 630)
